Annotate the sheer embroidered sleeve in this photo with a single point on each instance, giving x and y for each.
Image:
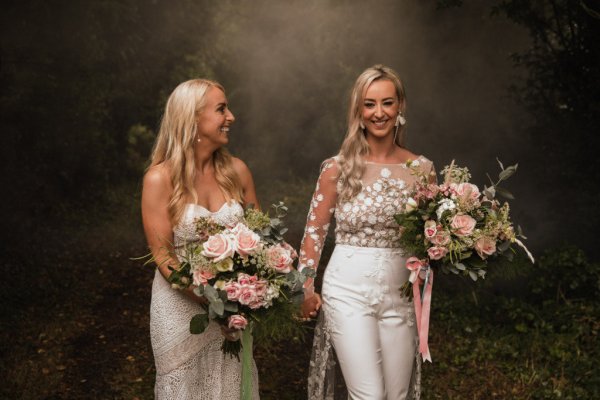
(322, 208)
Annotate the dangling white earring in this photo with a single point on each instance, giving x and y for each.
(400, 120)
(198, 140)
(362, 125)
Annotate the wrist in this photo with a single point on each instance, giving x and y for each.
(309, 292)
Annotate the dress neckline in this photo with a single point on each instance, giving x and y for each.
(206, 209)
(421, 158)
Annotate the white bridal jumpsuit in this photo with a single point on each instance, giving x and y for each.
(364, 317)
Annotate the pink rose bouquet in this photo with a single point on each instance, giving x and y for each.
(246, 273)
(454, 227)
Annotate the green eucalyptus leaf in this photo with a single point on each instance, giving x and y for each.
(231, 306)
(489, 192)
(473, 275)
(502, 247)
(477, 262)
(210, 293)
(198, 323)
(460, 266)
(508, 172)
(500, 162)
(217, 306)
(504, 193)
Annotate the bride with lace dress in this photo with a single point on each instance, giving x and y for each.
(364, 317)
(191, 175)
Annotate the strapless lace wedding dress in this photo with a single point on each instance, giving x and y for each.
(189, 366)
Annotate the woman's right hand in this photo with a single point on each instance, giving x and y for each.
(311, 305)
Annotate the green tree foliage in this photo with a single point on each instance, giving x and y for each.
(562, 92)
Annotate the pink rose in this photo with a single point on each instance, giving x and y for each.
(462, 225)
(247, 242)
(430, 229)
(233, 290)
(441, 238)
(237, 322)
(436, 252)
(261, 287)
(218, 247)
(280, 259)
(247, 295)
(485, 247)
(201, 276)
(256, 304)
(467, 191)
(245, 279)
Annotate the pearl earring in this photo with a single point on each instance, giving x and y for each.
(362, 125)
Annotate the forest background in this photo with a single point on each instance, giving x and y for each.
(83, 88)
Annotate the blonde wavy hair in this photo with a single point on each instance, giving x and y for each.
(175, 144)
(351, 158)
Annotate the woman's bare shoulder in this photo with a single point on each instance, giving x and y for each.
(157, 176)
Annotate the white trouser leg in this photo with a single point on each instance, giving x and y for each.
(372, 332)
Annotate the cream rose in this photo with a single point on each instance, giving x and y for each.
(224, 265)
(462, 225)
(485, 246)
(410, 205)
(237, 322)
(218, 247)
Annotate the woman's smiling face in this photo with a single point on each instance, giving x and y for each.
(380, 108)
(215, 119)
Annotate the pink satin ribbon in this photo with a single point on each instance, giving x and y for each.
(422, 310)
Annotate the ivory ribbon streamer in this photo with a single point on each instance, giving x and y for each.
(246, 389)
(422, 301)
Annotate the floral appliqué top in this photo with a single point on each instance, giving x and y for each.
(367, 220)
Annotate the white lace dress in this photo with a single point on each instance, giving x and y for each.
(364, 228)
(191, 366)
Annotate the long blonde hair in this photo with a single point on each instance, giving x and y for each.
(355, 147)
(175, 146)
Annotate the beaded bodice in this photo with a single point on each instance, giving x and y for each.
(367, 219)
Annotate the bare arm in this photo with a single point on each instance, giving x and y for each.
(157, 225)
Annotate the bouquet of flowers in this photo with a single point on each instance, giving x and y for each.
(245, 273)
(455, 227)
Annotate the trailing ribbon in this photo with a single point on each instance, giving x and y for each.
(246, 389)
(422, 301)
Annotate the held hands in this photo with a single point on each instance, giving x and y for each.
(311, 306)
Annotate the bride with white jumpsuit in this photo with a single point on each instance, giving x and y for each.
(364, 316)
